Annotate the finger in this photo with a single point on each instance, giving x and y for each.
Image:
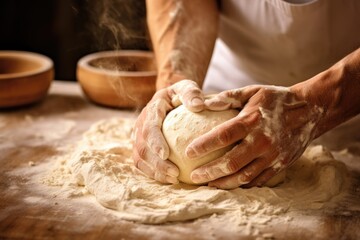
(244, 176)
(154, 174)
(141, 152)
(263, 178)
(221, 136)
(158, 171)
(151, 131)
(159, 165)
(150, 172)
(137, 127)
(231, 162)
(235, 98)
(189, 94)
(274, 166)
(222, 102)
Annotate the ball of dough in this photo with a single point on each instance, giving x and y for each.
(182, 126)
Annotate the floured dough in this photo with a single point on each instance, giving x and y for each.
(182, 126)
(101, 165)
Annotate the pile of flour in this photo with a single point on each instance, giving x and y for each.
(101, 164)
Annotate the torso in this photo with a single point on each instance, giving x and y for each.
(281, 42)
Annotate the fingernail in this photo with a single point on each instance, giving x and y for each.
(190, 152)
(172, 172)
(172, 180)
(241, 181)
(198, 178)
(196, 101)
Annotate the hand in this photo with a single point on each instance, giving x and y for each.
(272, 130)
(150, 151)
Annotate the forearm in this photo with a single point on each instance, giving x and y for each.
(183, 33)
(335, 91)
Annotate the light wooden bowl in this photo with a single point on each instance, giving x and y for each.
(25, 78)
(124, 79)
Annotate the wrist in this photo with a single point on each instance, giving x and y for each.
(167, 78)
(320, 93)
(330, 91)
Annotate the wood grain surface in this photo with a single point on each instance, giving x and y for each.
(31, 210)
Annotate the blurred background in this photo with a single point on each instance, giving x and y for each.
(66, 30)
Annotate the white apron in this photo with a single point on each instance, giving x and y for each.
(280, 43)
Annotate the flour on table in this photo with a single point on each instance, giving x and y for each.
(35, 131)
(101, 165)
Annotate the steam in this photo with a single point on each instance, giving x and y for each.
(117, 25)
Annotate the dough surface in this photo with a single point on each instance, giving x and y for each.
(182, 126)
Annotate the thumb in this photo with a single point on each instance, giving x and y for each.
(234, 98)
(188, 93)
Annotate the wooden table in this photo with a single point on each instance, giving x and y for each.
(30, 210)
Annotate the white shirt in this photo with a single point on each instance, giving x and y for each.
(279, 42)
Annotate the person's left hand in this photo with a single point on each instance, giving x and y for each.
(272, 130)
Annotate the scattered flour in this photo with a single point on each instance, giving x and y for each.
(34, 131)
(101, 164)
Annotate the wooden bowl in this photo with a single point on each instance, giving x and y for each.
(25, 77)
(124, 79)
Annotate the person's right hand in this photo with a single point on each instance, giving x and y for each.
(150, 151)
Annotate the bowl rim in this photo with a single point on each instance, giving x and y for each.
(45, 62)
(84, 62)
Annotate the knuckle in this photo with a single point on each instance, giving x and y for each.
(138, 164)
(266, 91)
(191, 93)
(160, 177)
(158, 94)
(225, 94)
(244, 178)
(154, 143)
(265, 143)
(232, 166)
(145, 168)
(200, 148)
(251, 119)
(142, 151)
(225, 137)
(256, 118)
(208, 174)
(159, 165)
(160, 113)
(147, 131)
(248, 174)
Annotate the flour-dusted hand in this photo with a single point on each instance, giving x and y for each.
(272, 130)
(150, 152)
